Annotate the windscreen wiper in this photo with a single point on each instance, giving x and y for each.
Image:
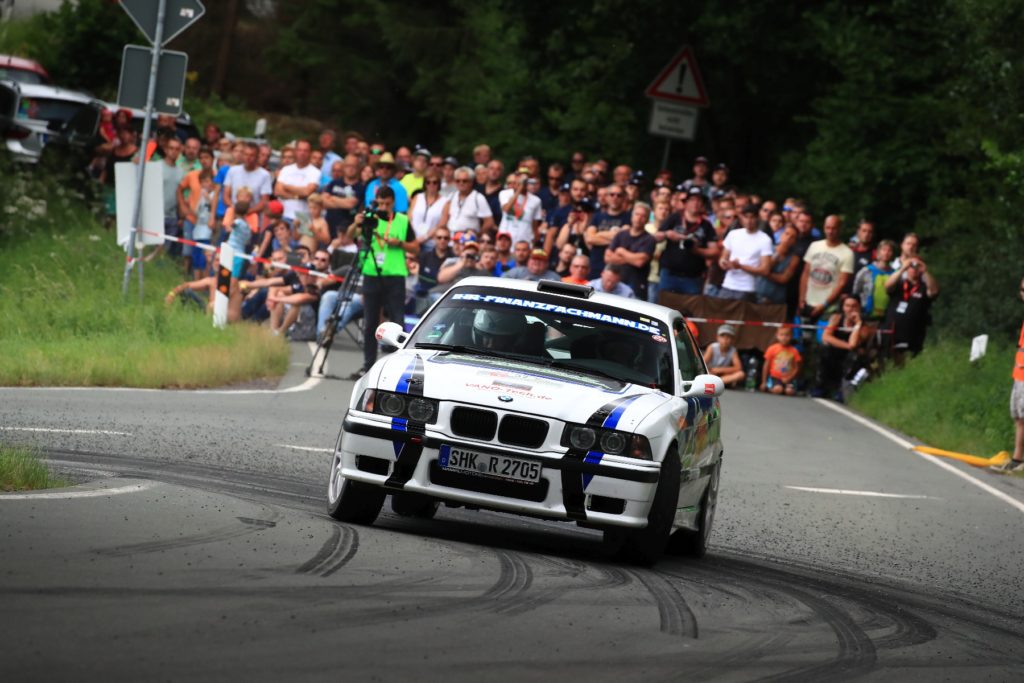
(479, 350)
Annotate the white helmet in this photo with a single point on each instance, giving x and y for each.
(492, 328)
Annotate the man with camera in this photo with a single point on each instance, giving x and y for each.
(911, 291)
(464, 265)
(387, 237)
(690, 240)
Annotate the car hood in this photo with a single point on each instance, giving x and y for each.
(566, 395)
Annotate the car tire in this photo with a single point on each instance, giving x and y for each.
(414, 505)
(646, 546)
(695, 543)
(352, 501)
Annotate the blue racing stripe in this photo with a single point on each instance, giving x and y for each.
(610, 422)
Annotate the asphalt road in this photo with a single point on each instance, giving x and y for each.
(200, 550)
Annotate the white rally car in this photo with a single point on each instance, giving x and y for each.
(543, 399)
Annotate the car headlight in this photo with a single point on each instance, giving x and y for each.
(392, 405)
(608, 441)
(582, 438)
(422, 410)
(613, 442)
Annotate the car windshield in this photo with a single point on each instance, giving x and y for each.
(573, 335)
(46, 109)
(21, 76)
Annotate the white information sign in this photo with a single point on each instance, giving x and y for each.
(152, 213)
(669, 120)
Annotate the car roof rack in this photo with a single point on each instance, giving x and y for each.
(566, 288)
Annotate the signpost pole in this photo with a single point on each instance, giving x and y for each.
(146, 125)
(664, 155)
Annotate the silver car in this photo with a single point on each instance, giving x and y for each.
(34, 115)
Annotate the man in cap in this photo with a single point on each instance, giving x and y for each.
(746, 256)
(505, 259)
(462, 266)
(720, 180)
(700, 175)
(386, 176)
(448, 166)
(414, 181)
(722, 359)
(536, 268)
(690, 240)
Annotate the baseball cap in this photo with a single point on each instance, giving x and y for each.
(565, 187)
(694, 191)
(422, 152)
(468, 238)
(451, 161)
(505, 234)
(721, 167)
(700, 160)
(523, 170)
(275, 208)
(727, 329)
(386, 159)
(539, 254)
(587, 204)
(637, 178)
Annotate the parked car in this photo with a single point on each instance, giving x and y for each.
(33, 115)
(23, 70)
(542, 399)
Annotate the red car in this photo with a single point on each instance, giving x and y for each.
(23, 70)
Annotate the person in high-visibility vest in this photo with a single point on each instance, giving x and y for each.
(1016, 463)
(384, 270)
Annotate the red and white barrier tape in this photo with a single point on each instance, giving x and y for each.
(247, 257)
(762, 323)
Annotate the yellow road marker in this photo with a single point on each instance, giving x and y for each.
(973, 460)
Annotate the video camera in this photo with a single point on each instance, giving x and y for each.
(371, 217)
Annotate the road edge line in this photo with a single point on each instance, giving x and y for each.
(900, 441)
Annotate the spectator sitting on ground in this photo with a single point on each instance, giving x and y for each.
(207, 285)
(782, 364)
(536, 268)
(579, 269)
(279, 237)
(843, 350)
(611, 282)
(869, 283)
(254, 292)
(722, 358)
(286, 302)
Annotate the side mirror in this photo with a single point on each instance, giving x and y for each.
(392, 334)
(702, 386)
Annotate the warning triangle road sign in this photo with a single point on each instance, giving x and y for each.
(680, 81)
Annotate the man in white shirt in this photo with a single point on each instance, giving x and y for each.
(297, 181)
(746, 256)
(248, 174)
(828, 265)
(467, 210)
(522, 209)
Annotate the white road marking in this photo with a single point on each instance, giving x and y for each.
(1006, 498)
(305, 448)
(846, 492)
(72, 493)
(49, 430)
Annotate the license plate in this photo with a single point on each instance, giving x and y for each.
(489, 465)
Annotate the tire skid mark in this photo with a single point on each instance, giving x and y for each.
(675, 615)
(246, 526)
(350, 544)
(327, 550)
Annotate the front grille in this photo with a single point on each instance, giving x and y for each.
(535, 492)
(474, 423)
(522, 431)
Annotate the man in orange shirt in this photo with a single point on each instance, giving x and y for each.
(1016, 464)
(579, 268)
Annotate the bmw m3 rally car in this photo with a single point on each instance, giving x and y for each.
(543, 399)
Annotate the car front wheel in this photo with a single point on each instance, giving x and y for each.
(646, 546)
(352, 501)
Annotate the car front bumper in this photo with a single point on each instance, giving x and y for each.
(605, 493)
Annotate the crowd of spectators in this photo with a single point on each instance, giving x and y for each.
(614, 228)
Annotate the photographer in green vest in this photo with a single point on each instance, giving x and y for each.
(386, 237)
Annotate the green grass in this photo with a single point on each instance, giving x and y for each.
(946, 401)
(233, 116)
(63, 321)
(21, 470)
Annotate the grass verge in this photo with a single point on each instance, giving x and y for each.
(63, 321)
(22, 470)
(946, 401)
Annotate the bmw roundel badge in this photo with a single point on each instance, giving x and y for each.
(505, 398)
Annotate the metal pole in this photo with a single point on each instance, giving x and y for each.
(664, 156)
(146, 125)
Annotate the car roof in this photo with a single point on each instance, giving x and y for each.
(658, 311)
(53, 92)
(24, 64)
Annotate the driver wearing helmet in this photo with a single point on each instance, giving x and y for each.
(497, 330)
